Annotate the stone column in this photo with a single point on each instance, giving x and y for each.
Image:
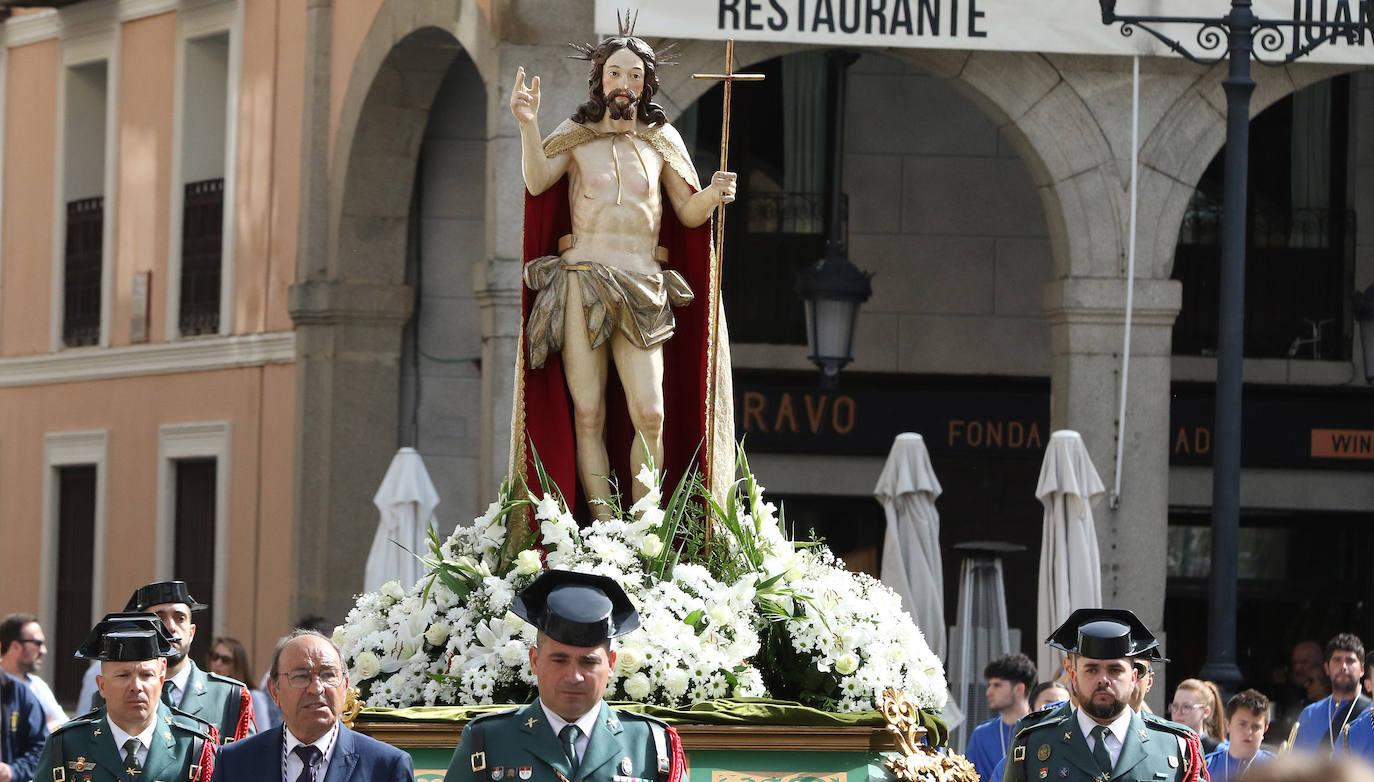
(1087, 317)
(348, 343)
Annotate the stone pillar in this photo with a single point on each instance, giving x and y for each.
(1087, 316)
(348, 343)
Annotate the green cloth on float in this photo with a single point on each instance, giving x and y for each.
(732, 711)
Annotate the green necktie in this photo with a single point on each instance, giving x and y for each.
(568, 735)
(169, 694)
(131, 764)
(1100, 753)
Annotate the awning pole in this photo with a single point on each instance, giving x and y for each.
(1114, 501)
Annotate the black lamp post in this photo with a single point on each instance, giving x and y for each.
(1364, 315)
(1236, 37)
(833, 288)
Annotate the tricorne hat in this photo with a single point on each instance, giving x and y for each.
(1106, 634)
(160, 592)
(578, 609)
(128, 637)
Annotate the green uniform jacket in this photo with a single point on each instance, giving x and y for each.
(520, 746)
(217, 700)
(88, 753)
(220, 701)
(1054, 748)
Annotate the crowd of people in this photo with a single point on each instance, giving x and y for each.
(1332, 718)
(148, 710)
(155, 711)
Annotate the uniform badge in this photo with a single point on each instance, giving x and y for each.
(525, 772)
(1144, 736)
(200, 686)
(498, 773)
(1063, 773)
(81, 764)
(625, 766)
(1043, 753)
(1044, 773)
(1068, 735)
(531, 722)
(1019, 754)
(1173, 761)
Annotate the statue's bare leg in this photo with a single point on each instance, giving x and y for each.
(585, 371)
(641, 375)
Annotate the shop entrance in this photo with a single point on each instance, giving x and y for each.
(1302, 576)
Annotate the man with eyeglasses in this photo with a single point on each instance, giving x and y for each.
(132, 735)
(22, 649)
(225, 703)
(309, 684)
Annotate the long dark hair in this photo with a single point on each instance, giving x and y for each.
(646, 111)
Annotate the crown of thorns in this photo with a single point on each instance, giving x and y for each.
(626, 25)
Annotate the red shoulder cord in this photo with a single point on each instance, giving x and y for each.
(245, 714)
(677, 766)
(207, 761)
(1197, 765)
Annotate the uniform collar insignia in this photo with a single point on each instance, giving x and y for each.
(531, 722)
(1068, 735)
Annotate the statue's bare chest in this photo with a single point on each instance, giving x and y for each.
(616, 170)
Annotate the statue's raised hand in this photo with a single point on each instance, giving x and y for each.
(524, 101)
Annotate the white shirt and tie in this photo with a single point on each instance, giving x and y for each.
(121, 740)
(584, 724)
(294, 764)
(177, 685)
(1116, 732)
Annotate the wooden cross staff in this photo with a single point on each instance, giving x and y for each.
(728, 80)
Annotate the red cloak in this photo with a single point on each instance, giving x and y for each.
(543, 416)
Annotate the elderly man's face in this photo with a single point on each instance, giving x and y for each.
(1103, 687)
(622, 83)
(309, 687)
(131, 691)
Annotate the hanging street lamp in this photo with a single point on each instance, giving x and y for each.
(1364, 315)
(1237, 37)
(834, 288)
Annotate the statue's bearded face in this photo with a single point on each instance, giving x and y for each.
(622, 84)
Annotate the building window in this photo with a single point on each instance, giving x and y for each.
(202, 242)
(82, 272)
(194, 556)
(198, 273)
(76, 512)
(1300, 255)
(81, 259)
(777, 223)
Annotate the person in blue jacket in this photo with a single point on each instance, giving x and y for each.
(1321, 724)
(23, 730)
(1247, 717)
(1009, 680)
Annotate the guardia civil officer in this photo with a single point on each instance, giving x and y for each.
(568, 734)
(132, 735)
(1099, 737)
(219, 700)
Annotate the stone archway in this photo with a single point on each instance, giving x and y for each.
(350, 302)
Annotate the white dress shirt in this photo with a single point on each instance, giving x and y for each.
(585, 723)
(51, 708)
(180, 681)
(325, 744)
(1116, 735)
(145, 739)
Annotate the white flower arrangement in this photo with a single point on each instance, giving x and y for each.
(739, 611)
